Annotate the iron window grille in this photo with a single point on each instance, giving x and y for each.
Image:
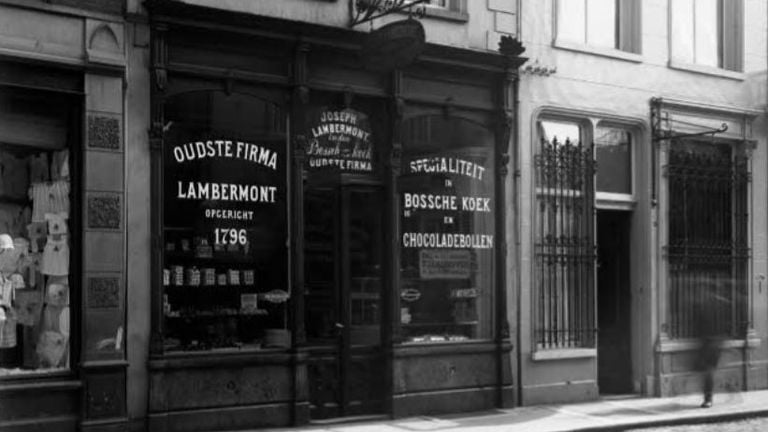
(564, 245)
(708, 250)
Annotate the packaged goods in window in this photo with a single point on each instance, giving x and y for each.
(178, 275)
(209, 276)
(166, 277)
(193, 276)
(202, 248)
(233, 276)
(222, 279)
(249, 277)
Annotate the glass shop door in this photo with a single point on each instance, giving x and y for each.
(344, 250)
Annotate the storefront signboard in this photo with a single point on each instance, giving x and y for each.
(224, 188)
(441, 189)
(339, 139)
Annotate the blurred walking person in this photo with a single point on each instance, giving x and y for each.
(709, 330)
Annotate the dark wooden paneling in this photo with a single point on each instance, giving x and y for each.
(430, 372)
(105, 394)
(219, 387)
(251, 417)
(40, 401)
(339, 69)
(44, 424)
(457, 93)
(444, 402)
(43, 77)
(224, 52)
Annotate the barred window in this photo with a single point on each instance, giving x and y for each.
(707, 248)
(564, 238)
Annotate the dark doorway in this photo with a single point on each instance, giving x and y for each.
(343, 283)
(614, 358)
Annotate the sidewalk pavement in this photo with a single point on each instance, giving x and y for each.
(606, 414)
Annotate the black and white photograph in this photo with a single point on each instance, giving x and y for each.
(383, 215)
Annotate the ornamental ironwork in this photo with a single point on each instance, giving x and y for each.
(368, 10)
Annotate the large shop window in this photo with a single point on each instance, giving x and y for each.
(37, 129)
(708, 249)
(564, 238)
(447, 230)
(225, 276)
(708, 33)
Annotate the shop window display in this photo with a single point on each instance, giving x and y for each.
(447, 231)
(225, 275)
(35, 237)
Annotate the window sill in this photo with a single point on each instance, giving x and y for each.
(444, 15)
(694, 344)
(707, 70)
(564, 354)
(602, 52)
(614, 201)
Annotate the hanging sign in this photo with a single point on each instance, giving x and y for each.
(393, 46)
(339, 139)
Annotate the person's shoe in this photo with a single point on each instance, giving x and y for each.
(706, 404)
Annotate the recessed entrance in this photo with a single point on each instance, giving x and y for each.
(613, 302)
(343, 280)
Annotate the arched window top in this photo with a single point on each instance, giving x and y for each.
(438, 133)
(213, 112)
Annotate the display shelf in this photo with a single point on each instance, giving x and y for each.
(200, 315)
(218, 258)
(441, 324)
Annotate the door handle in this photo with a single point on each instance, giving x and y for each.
(339, 325)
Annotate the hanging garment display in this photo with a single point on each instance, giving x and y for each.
(38, 168)
(56, 257)
(49, 198)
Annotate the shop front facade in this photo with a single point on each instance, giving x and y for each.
(642, 161)
(63, 361)
(328, 229)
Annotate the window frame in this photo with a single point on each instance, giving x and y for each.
(730, 50)
(616, 200)
(586, 347)
(737, 149)
(486, 325)
(628, 34)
